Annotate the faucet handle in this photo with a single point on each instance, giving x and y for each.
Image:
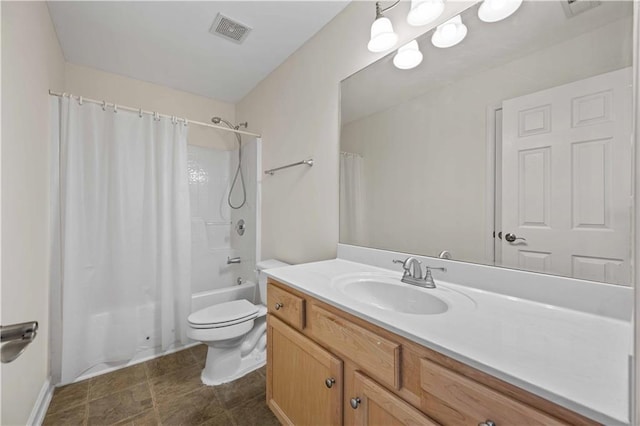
(412, 267)
(428, 278)
(404, 266)
(407, 262)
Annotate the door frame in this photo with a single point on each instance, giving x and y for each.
(635, 227)
(493, 173)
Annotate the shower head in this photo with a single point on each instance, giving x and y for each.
(218, 120)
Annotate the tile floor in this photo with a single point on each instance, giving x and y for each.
(165, 390)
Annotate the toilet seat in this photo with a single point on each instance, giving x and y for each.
(224, 314)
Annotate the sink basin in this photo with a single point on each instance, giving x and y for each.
(393, 297)
(390, 294)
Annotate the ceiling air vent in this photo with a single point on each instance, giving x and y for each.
(576, 7)
(229, 29)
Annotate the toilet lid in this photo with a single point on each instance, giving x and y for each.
(227, 313)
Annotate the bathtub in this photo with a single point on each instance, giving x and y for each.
(205, 299)
(149, 333)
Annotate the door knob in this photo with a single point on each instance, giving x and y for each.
(512, 237)
(329, 382)
(278, 306)
(487, 423)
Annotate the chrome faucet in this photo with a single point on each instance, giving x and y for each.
(413, 273)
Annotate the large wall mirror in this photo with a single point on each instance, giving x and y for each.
(512, 148)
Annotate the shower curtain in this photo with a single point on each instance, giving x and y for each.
(121, 234)
(352, 226)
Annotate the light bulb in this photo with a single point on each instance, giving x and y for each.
(497, 10)
(450, 33)
(497, 4)
(424, 11)
(448, 30)
(408, 56)
(382, 35)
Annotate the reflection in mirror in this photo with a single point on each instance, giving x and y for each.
(511, 148)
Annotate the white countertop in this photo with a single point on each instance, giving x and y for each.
(575, 359)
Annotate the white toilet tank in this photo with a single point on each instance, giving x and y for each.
(262, 278)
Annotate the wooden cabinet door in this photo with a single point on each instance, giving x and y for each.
(376, 406)
(304, 381)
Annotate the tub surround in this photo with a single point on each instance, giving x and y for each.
(569, 345)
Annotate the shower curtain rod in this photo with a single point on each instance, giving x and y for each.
(141, 111)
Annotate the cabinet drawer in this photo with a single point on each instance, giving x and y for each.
(375, 355)
(453, 399)
(286, 306)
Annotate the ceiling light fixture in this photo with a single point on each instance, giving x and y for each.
(450, 33)
(382, 35)
(408, 56)
(425, 11)
(497, 10)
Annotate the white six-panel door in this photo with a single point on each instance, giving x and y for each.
(566, 179)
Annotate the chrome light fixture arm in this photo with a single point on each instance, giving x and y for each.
(380, 11)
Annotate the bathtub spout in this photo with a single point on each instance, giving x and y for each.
(231, 260)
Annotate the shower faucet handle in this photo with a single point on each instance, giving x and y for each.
(231, 260)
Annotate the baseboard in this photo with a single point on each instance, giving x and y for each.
(42, 404)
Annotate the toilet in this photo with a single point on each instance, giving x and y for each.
(235, 333)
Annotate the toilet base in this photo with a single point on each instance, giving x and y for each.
(229, 365)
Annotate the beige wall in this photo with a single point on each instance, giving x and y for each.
(100, 85)
(422, 156)
(32, 63)
(296, 108)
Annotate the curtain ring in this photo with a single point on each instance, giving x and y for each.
(115, 108)
(140, 112)
(104, 105)
(80, 100)
(156, 116)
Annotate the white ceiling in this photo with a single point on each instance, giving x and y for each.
(169, 43)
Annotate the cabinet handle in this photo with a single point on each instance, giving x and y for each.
(355, 402)
(329, 382)
(279, 305)
(487, 423)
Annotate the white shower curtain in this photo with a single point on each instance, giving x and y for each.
(352, 226)
(121, 233)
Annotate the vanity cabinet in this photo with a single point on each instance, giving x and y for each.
(328, 367)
